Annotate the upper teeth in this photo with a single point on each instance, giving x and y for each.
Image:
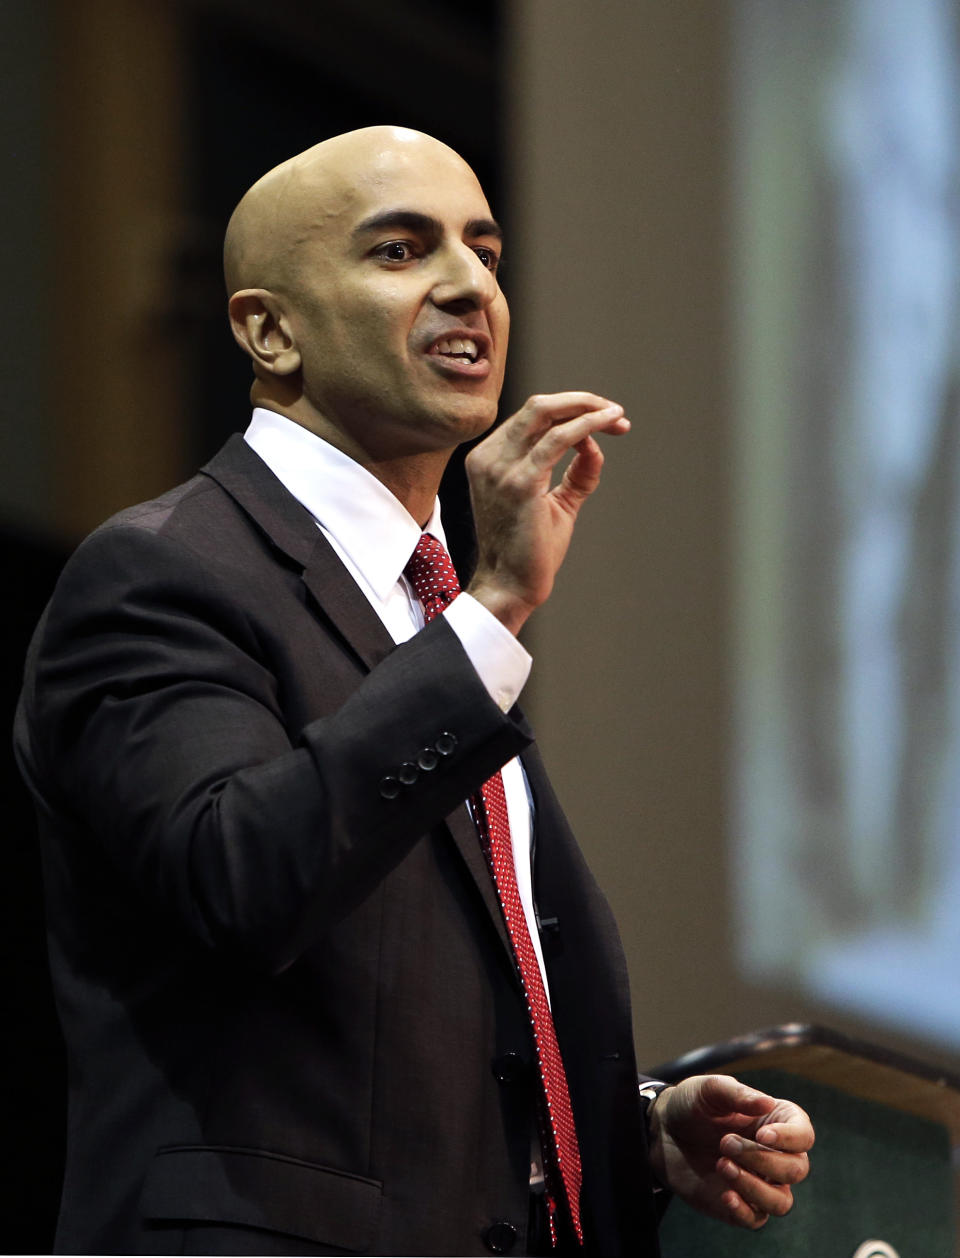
(457, 345)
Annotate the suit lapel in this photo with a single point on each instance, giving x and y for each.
(342, 602)
(292, 529)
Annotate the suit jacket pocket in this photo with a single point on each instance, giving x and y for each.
(201, 1183)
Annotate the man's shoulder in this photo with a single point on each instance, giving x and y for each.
(174, 507)
(187, 503)
(204, 514)
(194, 535)
(195, 516)
(235, 503)
(156, 512)
(191, 553)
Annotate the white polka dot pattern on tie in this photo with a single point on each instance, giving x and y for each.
(432, 575)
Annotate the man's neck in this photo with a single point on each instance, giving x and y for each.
(409, 480)
(412, 478)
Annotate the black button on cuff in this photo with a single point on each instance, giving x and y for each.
(446, 744)
(427, 759)
(500, 1237)
(408, 773)
(389, 788)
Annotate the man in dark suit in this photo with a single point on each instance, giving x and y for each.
(290, 988)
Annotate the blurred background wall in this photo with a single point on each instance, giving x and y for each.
(745, 683)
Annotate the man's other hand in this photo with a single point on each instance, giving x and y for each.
(523, 524)
(727, 1149)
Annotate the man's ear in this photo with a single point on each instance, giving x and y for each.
(262, 328)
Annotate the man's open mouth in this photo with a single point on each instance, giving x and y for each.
(457, 347)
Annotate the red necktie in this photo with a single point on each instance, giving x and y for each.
(435, 583)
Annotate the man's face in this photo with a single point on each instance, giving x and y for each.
(395, 306)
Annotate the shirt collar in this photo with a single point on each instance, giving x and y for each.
(367, 522)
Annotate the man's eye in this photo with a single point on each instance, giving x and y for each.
(395, 251)
(489, 257)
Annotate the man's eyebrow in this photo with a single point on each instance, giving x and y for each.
(484, 227)
(424, 224)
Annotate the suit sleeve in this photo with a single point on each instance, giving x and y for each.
(151, 718)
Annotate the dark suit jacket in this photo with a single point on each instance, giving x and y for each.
(293, 1020)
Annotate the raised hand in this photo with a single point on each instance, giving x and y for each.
(524, 524)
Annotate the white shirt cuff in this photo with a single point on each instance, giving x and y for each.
(502, 664)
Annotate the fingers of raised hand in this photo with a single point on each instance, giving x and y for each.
(545, 409)
(554, 443)
(581, 476)
(561, 419)
(528, 446)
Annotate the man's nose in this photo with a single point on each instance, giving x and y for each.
(463, 282)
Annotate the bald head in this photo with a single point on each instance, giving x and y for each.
(291, 204)
(363, 286)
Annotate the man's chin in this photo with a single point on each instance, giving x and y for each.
(464, 420)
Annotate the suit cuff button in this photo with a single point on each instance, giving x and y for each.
(389, 787)
(427, 759)
(446, 744)
(408, 773)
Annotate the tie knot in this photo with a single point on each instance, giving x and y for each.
(431, 573)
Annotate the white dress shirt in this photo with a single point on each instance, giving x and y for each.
(374, 535)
